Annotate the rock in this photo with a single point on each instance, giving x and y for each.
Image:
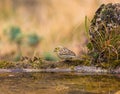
(105, 35)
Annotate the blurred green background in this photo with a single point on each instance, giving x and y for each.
(36, 27)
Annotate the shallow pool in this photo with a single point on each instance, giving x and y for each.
(59, 83)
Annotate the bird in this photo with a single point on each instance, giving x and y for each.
(64, 53)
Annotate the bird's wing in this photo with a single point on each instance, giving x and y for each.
(65, 51)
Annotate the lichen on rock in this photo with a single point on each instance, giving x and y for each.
(105, 35)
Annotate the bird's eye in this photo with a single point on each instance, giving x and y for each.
(58, 48)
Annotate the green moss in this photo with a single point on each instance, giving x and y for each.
(6, 64)
(49, 57)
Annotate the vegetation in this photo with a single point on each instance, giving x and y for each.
(49, 57)
(104, 46)
(25, 54)
(103, 33)
(33, 40)
(15, 36)
(6, 64)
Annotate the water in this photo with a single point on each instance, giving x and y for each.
(59, 83)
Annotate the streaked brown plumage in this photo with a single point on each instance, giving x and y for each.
(64, 53)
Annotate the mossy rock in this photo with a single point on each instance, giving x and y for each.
(105, 34)
(6, 65)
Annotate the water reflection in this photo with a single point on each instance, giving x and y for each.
(58, 83)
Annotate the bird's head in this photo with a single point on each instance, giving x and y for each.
(58, 48)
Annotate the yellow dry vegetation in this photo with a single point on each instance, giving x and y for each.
(59, 22)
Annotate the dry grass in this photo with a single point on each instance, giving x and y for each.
(59, 22)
